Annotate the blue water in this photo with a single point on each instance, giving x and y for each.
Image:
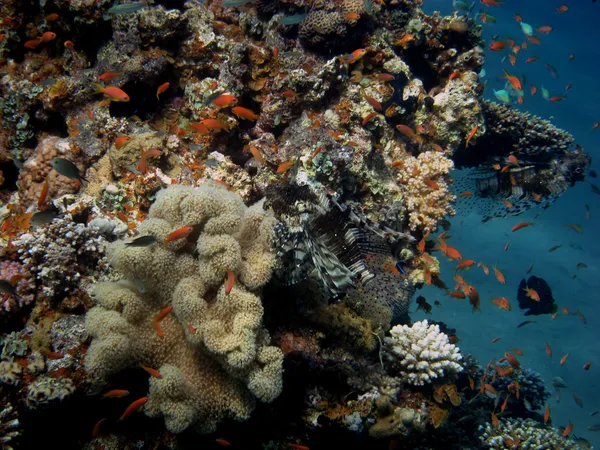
(577, 31)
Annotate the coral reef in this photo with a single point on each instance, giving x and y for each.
(213, 354)
(421, 353)
(425, 185)
(526, 434)
(9, 426)
(24, 286)
(60, 255)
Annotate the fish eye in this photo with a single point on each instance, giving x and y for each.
(578, 170)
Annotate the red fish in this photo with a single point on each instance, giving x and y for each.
(570, 425)
(497, 46)
(514, 81)
(52, 17)
(473, 298)
(96, 430)
(230, 281)
(557, 98)
(545, 29)
(532, 59)
(223, 442)
(587, 365)
(224, 101)
(162, 88)
(499, 275)
(43, 194)
(512, 360)
(518, 18)
(532, 294)
(155, 373)
(549, 350)
(374, 103)
(564, 358)
(113, 93)
(214, 124)
(121, 142)
(533, 89)
(562, 8)
(180, 233)
(47, 37)
(244, 113)
(116, 393)
(164, 313)
(490, 2)
(471, 134)
(521, 225)
(134, 407)
(547, 414)
(32, 44)
(108, 76)
(284, 167)
(501, 303)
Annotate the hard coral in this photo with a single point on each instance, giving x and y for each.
(525, 434)
(58, 255)
(24, 287)
(213, 353)
(426, 203)
(421, 353)
(39, 168)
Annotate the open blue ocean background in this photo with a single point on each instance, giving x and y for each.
(577, 32)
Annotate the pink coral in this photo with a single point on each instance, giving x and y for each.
(25, 286)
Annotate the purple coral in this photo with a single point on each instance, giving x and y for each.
(25, 286)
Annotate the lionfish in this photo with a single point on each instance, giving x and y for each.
(345, 250)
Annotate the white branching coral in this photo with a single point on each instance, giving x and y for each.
(425, 185)
(421, 353)
(523, 434)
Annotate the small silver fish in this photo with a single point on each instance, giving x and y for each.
(127, 8)
(595, 427)
(8, 288)
(292, 20)
(43, 217)
(142, 241)
(558, 383)
(67, 168)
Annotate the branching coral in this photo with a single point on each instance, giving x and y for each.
(425, 185)
(59, 254)
(213, 354)
(421, 353)
(523, 434)
(9, 426)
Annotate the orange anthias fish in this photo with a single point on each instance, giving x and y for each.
(162, 88)
(587, 365)
(547, 414)
(47, 37)
(532, 59)
(179, 234)
(521, 225)
(224, 101)
(108, 76)
(562, 8)
(214, 124)
(473, 298)
(134, 407)
(432, 184)
(230, 283)
(116, 393)
(490, 2)
(483, 267)
(355, 56)
(512, 360)
(499, 275)
(113, 93)
(533, 89)
(569, 428)
(575, 227)
(121, 142)
(284, 167)
(532, 294)
(374, 103)
(153, 372)
(223, 442)
(451, 252)
(548, 350)
(164, 313)
(518, 17)
(465, 264)
(471, 134)
(545, 29)
(501, 303)
(43, 194)
(497, 46)
(564, 359)
(514, 81)
(244, 113)
(96, 430)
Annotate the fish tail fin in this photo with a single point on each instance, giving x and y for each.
(99, 89)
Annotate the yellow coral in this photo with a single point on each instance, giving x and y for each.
(214, 355)
(426, 203)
